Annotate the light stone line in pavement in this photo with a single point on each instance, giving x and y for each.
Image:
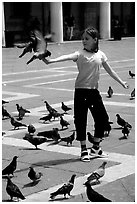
(17, 96)
(125, 168)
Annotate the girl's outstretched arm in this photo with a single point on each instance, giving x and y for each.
(62, 58)
(114, 75)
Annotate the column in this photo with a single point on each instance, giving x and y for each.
(105, 16)
(3, 26)
(56, 17)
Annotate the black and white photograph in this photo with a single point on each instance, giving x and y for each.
(68, 101)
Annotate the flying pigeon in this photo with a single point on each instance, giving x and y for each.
(69, 139)
(35, 140)
(11, 167)
(33, 175)
(131, 74)
(63, 122)
(65, 108)
(65, 189)
(13, 190)
(21, 111)
(94, 196)
(110, 92)
(16, 124)
(40, 51)
(98, 173)
(122, 122)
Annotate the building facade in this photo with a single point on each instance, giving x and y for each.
(51, 17)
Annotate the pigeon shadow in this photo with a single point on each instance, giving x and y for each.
(58, 199)
(123, 138)
(63, 129)
(9, 200)
(118, 128)
(108, 97)
(31, 184)
(57, 162)
(30, 149)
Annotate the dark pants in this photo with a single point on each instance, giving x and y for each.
(91, 99)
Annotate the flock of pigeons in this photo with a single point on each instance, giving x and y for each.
(94, 178)
(39, 45)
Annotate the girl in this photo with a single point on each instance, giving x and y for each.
(89, 61)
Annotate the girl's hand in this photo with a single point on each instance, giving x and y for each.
(125, 85)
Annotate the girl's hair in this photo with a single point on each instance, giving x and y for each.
(94, 34)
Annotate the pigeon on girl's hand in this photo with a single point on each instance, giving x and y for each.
(131, 74)
(63, 122)
(122, 122)
(94, 196)
(98, 173)
(11, 167)
(35, 140)
(16, 124)
(110, 92)
(13, 190)
(65, 108)
(33, 175)
(69, 139)
(65, 189)
(40, 50)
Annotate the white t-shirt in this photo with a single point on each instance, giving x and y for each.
(89, 65)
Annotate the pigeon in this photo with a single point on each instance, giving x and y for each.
(34, 139)
(69, 139)
(91, 138)
(17, 124)
(65, 189)
(98, 173)
(93, 195)
(63, 122)
(49, 108)
(4, 102)
(33, 175)
(21, 111)
(13, 190)
(131, 74)
(47, 117)
(122, 122)
(132, 94)
(110, 92)
(65, 108)
(107, 129)
(56, 114)
(5, 113)
(31, 129)
(11, 167)
(125, 131)
(28, 47)
(50, 134)
(40, 50)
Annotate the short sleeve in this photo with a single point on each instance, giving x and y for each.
(103, 57)
(76, 54)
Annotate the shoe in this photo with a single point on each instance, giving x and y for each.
(85, 156)
(97, 153)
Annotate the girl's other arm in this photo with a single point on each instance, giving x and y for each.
(114, 75)
(62, 58)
